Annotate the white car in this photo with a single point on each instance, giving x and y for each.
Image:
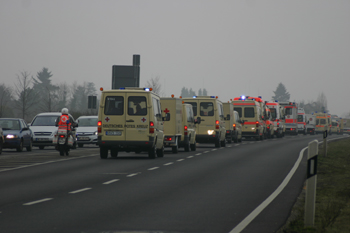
(87, 130)
(44, 128)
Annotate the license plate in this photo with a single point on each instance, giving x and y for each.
(42, 139)
(83, 139)
(114, 133)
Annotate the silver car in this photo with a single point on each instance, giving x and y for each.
(87, 130)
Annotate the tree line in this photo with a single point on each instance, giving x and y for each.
(32, 95)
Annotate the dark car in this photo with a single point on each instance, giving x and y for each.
(16, 134)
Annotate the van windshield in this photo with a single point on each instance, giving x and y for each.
(273, 113)
(249, 112)
(44, 121)
(87, 122)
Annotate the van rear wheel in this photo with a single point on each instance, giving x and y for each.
(114, 153)
(160, 152)
(103, 153)
(152, 152)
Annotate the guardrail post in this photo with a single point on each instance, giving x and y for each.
(310, 196)
(325, 134)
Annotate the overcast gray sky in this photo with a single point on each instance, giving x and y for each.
(229, 47)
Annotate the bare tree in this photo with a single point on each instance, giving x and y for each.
(322, 102)
(5, 100)
(26, 97)
(154, 83)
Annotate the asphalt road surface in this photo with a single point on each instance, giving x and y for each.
(244, 187)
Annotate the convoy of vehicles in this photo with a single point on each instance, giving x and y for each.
(137, 120)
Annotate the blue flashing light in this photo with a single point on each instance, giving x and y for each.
(243, 97)
(276, 101)
(194, 96)
(212, 96)
(260, 97)
(146, 89)
(122, 88)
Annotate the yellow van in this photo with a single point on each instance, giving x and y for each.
(179, 124)
(232, 124)
(210, 114)
(130, 119)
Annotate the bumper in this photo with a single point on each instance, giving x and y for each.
(13, 143)
(203, 138)
(127, 145)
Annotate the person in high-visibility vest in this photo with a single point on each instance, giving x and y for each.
(65, 123)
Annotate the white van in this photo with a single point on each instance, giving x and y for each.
(130, 119)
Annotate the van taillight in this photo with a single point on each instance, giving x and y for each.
(99, 128)
(278, 124)
(151, 125)
(234, 126)
(257, 124)
(217, 125)
(185, 130)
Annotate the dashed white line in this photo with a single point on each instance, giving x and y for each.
(80, 190)
(167, 164)
(38, 201)
(198, 153)
(131, 175)
(111, 181)
(206, 151)
(189, 157)
(213, 149)
(179, 160)
(153, 168)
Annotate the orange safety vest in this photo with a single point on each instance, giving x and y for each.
(62, 124)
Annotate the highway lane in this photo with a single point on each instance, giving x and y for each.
(210, 190)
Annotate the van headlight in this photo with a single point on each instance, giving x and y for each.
(11, 136)
(210, 132)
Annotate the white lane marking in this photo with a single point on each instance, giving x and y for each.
(206, 151)
(55, 161)
(221, 148)
(189, 157)
(167, 164)
(153, 168)
(179, 160)
(38, 201)
(80, 190)
(240, 227)
(244, 143)
(237, 144)
(131, 175)
(213, 149)
(198, 154)
(111, 181)
(229, 146)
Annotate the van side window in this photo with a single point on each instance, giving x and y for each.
(157, 109)
(189, 112)
(206, 109)
(137, 105)
(249, 112)
(239, 111)
(194, 107)
(236, 116)
(221, 111)
(114, 105)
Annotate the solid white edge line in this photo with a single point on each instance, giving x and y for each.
(38, 201)
(263, 205)
(111, 181)
(80, 190)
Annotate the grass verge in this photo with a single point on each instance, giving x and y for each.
(332, 194)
